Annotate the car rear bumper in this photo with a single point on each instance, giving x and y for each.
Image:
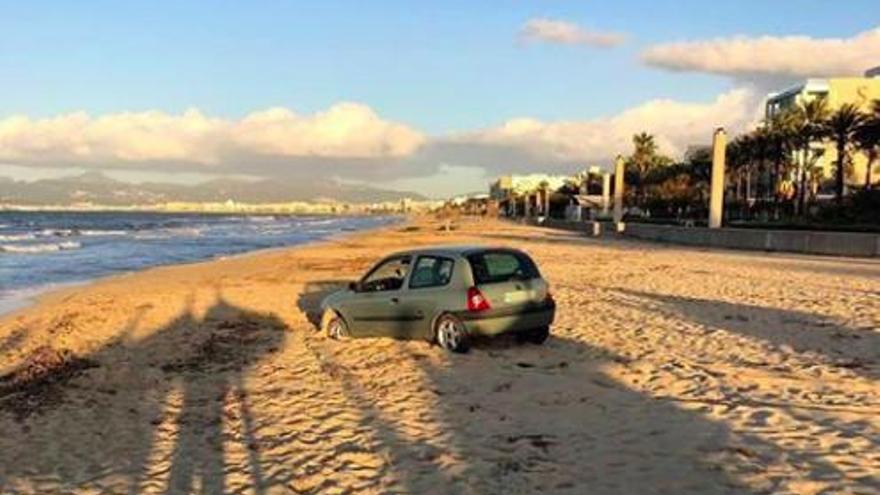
(494, 322)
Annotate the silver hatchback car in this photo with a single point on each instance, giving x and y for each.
(446, 295)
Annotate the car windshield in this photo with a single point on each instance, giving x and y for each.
(388, 275)
(490, 267)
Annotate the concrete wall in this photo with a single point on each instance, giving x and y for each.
(795, 241)
(792, 241)
(567, 225)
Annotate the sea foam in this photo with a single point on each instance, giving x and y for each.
(39, 248)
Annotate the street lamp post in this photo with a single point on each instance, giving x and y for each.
(618, 189)
(716, 191)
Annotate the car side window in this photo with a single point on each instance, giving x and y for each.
(388, 275)
(431, 271)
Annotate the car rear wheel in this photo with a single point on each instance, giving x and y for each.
(535, 335)
(451, 334)
(335, 326)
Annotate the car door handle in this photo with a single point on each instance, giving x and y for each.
(395, 300)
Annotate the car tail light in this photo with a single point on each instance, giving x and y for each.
(476, 301)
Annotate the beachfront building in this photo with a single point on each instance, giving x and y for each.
(836, 91)
(475, 204)
(590, 198)
(525, 195)
(585, 195)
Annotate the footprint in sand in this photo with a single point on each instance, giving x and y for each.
(761, 418)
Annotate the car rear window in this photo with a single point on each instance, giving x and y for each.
(491, 267)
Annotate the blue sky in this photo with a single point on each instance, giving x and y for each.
(439, 67)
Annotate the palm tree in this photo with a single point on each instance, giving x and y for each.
(545, 198)
(761, 149)
(643, 159)
(842, 127)
(739, 152)
(781, 145)
(808, 122)
(733, 163)
(868, 140)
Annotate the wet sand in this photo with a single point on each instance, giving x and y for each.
(670, 370)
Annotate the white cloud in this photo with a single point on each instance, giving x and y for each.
(351, 141)
(801, 56)
(675, 125)
(567, 33)
(346, 130)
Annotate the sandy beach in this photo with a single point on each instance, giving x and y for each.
(670, 370)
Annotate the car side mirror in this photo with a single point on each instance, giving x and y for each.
(353, 286)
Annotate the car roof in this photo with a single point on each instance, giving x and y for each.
(452, 250)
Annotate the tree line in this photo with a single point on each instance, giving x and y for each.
(772, 170)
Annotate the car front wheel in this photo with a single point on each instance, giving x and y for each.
(335, 326)
(451, 334)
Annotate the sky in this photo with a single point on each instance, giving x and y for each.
(434, 96)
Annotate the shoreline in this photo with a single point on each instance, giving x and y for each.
(243, 209)
(282, 213)
(9, 307)
(28, 297)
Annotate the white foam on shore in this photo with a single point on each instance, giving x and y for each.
(10, 304)
(39, 248)
(11, 300)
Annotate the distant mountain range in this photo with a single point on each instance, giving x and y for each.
(96, 188)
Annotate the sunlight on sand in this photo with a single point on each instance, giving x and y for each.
(670, 370)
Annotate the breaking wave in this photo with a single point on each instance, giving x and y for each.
(39, 248)
(16, 237)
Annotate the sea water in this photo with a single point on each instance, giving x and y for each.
(42, 250)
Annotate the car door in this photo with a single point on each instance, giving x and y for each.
(376, 308)
(428, 284)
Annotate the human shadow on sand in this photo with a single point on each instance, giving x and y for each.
(93, 422)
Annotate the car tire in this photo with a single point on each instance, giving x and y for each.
(535, 336)
(334, 326)
(451, 334)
